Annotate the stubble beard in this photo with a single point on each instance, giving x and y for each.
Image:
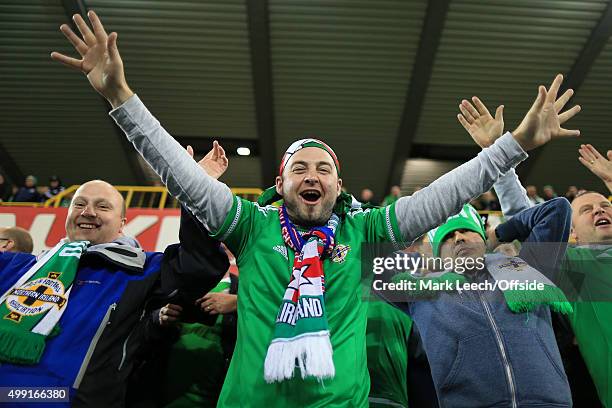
(300, 215)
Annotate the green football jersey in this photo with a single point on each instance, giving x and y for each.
(196, 364)
(253, 234)
(387, 344)
(195, 367)
(590, 269)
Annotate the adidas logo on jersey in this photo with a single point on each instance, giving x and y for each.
(281, 249)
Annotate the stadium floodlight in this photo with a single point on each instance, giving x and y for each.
(243, 151)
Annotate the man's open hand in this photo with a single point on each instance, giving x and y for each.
(479, 123)
(215, 162)
(100, 59)
(218, 303)
(597, 163)
(543, 121)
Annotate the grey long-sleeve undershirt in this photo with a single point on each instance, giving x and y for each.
(432, 205)
(210, 200)
(511, 194)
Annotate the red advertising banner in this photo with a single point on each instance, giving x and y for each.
(155, 229)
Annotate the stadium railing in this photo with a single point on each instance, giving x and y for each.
(135, 197)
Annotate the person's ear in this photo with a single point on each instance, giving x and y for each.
(123, 222)
(573, 236)
(339, 187)
(279, 185)
(9, 244)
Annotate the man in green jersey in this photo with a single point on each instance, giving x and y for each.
(302, 325)
(198, 360)
(588, 265)
(388, 331)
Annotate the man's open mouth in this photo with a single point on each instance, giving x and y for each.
(602, 221)
(311, 196)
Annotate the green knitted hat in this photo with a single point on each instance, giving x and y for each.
(468, 219)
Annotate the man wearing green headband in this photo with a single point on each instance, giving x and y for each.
(302, 325)
(488, 343)
(466, 227)
(493, 345)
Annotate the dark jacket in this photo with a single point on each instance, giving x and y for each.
(6, 190)
(27, 195)
(53, 191)
(158, 382)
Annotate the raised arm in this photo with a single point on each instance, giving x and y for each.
(484, 130)
(597, 163)
(430, 206)
(512, 195)
(544, 230)
(209, 200)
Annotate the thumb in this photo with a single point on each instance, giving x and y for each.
(111, 44)
(609, 154)
(499, 113)
(190, 150)
(216, 152)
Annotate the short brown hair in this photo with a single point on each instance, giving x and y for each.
(21, 238)
(584, 192)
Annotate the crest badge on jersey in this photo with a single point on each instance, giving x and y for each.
(516, 263)
(339, 253)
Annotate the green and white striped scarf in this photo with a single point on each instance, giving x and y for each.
(31, 309)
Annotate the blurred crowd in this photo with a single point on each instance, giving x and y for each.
(485, 202)
(29, 191)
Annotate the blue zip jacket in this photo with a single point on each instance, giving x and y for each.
(93, 298)
(483, 355)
